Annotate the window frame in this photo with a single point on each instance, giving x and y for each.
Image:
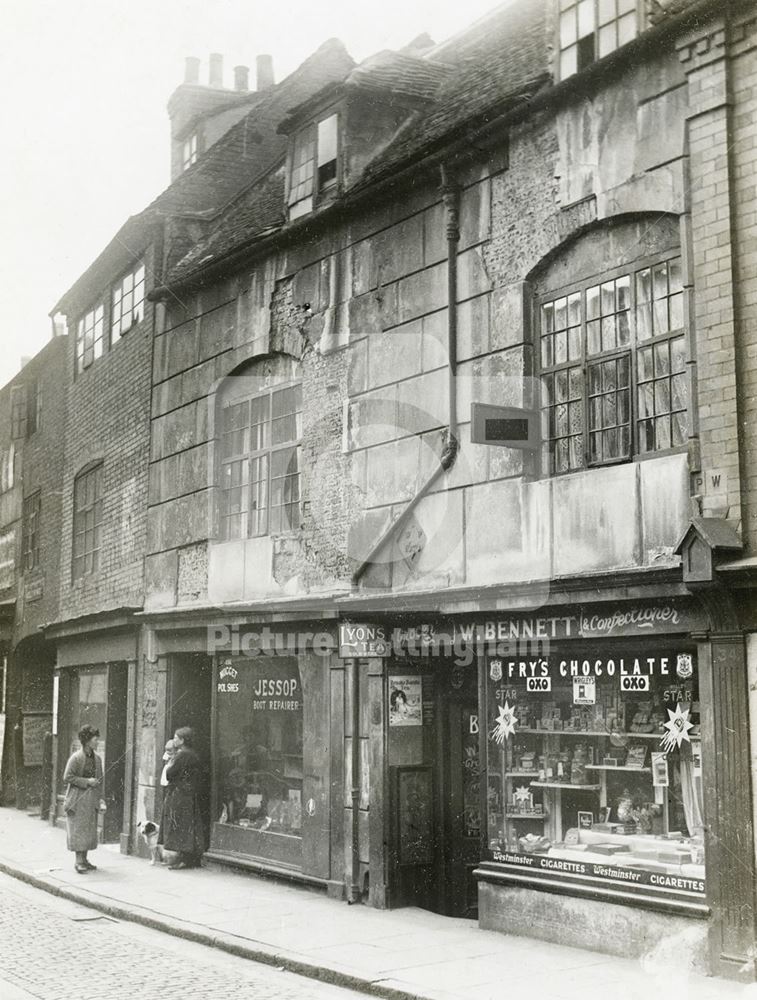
(88, 554)
(585, 362)
(190, 156)
(562, 7)
(311, 134)
(262, 455)
(137, 309)
(98, 342)
(30, 528)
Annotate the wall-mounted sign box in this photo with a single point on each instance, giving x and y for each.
(505, 426)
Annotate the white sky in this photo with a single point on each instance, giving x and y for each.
(84, 86)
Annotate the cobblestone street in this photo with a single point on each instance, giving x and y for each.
(57, 950)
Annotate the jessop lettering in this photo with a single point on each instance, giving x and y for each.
(643, 618)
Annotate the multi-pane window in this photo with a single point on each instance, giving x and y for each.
(260, 463)
(189, 152)
(30, 532)
(613, 361)
(313, 164)
(592, 29)
(128, 302)
(303, 156)
(89, 338)
(88, 519)
(25, 409)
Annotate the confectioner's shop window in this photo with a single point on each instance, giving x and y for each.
(259, 734)
(594, 768)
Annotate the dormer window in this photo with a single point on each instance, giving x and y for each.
(313, 165)
(592, 29)
(189, 151)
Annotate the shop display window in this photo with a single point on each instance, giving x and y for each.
(594, 768)
(259, 740)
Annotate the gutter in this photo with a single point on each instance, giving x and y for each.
(451, 199)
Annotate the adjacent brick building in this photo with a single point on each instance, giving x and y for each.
(493, 662)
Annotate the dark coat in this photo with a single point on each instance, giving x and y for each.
(181, 827)
(82, 802)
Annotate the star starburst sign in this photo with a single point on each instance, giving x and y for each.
(506, 722)
(678, 727)
(522, 794)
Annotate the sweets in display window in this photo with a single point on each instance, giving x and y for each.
(576, 780)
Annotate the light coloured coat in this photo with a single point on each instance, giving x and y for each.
(81, 802)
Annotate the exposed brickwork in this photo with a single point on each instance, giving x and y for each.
(743, 146)
(107, 411)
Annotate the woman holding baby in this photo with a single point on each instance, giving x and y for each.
(181, 828)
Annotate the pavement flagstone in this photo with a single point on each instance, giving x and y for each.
(408, 953)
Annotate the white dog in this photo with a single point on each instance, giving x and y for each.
(149, 831)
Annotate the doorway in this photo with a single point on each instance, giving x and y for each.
(189, 700)
(434, 789)
(96, 696)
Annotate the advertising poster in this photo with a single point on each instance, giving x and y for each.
(405, 701)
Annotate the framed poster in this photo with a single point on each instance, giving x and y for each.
(406, 700)
(33, 738)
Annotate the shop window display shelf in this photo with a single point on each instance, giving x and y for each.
(565, 784)
(618, 767)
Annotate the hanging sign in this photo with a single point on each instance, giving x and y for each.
(677, 727)
(505, 724)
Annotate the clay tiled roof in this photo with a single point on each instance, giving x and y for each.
(253, 215)
(245, 153)
(503, 56)
(251, 146)
(398, 73)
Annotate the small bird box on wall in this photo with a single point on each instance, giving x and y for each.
(704, 538)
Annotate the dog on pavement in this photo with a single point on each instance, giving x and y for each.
(149, 832)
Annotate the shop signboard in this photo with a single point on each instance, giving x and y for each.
(583, 870)
(363, 640)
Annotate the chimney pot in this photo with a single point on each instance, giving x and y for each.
(191, 70)
(215, 76)
(242, 78)
(264, 71)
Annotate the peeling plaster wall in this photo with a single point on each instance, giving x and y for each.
(364, 310)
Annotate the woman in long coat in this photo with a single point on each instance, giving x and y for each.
(83, 777)
(181, 827)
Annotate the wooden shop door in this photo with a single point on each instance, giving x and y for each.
(462, 808)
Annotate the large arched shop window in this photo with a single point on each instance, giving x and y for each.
(259, 427)
(611, 347)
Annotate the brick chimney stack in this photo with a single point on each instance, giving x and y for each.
(200, 113)
(264, 72)
(215, 71)
(242, 79)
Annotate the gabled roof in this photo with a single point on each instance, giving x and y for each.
(718, 533)
(496, 65)
(242, 155)
(251, 146)
(500, 59)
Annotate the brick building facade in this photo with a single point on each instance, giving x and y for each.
(511, 682)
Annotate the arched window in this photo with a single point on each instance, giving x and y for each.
(612, 353)
(260, 427)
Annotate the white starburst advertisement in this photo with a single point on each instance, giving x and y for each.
(505, 724)
(677, 727)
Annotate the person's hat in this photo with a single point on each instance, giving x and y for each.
(86, 733)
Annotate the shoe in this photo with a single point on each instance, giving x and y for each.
(81, 869)
(179, 866)
(90, 866)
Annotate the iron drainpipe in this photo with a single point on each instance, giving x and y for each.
(354, 893)
(451, 201)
